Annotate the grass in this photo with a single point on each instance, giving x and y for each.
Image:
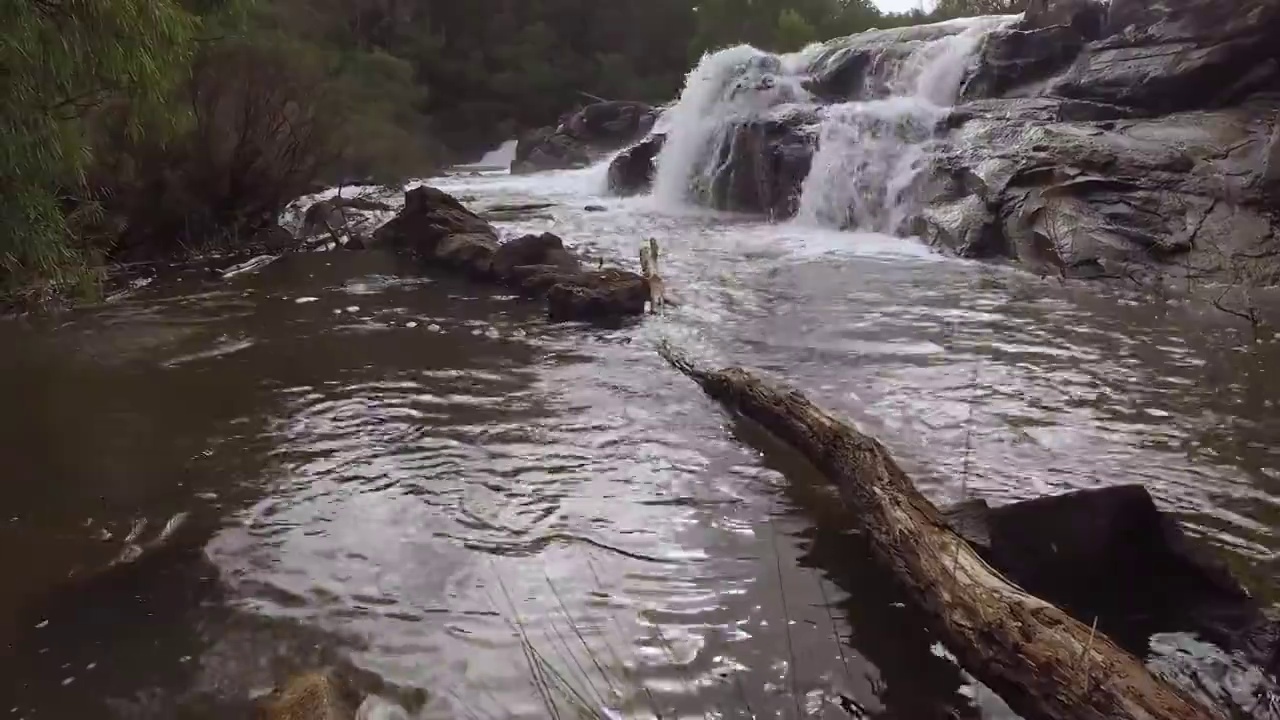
(580, 670)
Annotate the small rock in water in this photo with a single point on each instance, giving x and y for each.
(477, 331)
(491, 332)
(411, 324)
(434, 327)
(68, 681)
(42, 624)
(595, 208)
(303, 300)
(353, 308)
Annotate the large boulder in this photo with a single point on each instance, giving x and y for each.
(428, 217)
(546, 250)
(1110, 554)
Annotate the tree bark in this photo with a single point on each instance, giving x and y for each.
(1045, 664)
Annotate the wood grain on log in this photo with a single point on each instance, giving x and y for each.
(1045, 664)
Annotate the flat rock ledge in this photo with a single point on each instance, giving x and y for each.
(441, 232)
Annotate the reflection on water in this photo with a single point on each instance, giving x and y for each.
(410, 474)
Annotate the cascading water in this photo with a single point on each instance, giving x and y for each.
(870, 152)
(725, 88)
(871, 143)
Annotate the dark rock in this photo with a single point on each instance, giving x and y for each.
(1013, 59)
(428, 217)
(610, 124)
(1109, 554)
(439, 231)
(360, 203)
(582, 136)
(543, 250)
(273, 239)
(545, 149)
(632, 171)
(765, 166)
(471, 253)
(594, 208)
(598, 296)
(1088, 18)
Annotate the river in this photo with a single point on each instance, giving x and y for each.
(411, 474)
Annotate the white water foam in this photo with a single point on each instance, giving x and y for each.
(725, 88)
(870, 152)
(500, 157)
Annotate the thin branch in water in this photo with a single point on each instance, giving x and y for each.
(786, 616)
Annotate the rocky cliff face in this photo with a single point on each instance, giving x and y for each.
(1086, 139)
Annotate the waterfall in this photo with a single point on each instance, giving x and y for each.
(499, 157)
(872, 138)
(871, 151)
(726, 87)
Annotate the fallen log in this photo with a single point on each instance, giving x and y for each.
(1044, 663)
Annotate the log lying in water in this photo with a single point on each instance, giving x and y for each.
(1045, 664)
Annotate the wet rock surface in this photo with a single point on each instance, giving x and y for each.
(632, 171)
(583, 135)
(438, 230)
(766, 164)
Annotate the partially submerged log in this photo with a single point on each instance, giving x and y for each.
(440, 231)
(1044, 663)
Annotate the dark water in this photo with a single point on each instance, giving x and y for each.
(410, 474)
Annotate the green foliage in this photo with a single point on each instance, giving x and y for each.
(794, 32)
(61, 62)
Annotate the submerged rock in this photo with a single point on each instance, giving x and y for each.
(320, 695)
(583, 135)
(441, 232)
(334, 693)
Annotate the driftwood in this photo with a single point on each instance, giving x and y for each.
(1045, 664)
